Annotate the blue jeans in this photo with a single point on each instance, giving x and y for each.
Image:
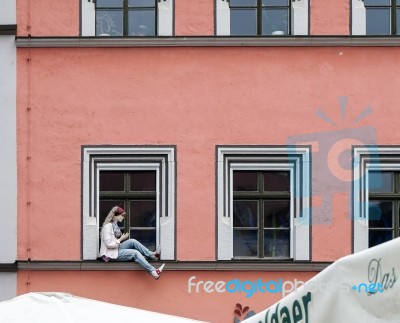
(132, 249)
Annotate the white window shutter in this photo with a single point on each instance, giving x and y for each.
(359, 25)
(301, 239)
(223, 18)
(300, 17)
(165, 18)
(88, 18)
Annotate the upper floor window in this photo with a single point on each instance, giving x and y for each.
(136, 193)
(261, 214)
(140, 179)
(383, 206)
(376, 17)
(262, 17)
(127, 18)
(263, 202)
(376, 187)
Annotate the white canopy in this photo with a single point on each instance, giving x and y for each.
(363, 287)
(66, 308)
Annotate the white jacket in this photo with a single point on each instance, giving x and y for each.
(109, 243)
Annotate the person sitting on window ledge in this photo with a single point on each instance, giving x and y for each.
(117, 246)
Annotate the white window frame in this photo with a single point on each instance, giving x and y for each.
(160, 159)
(165, 12)
(297, 162)
(299, 24)
(366, 159)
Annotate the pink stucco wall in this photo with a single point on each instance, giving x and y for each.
(169, 294)
(330, 17)
(170, 96)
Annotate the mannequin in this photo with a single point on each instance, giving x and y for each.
(116, 246)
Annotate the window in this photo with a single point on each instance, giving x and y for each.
(261, 214)
(376, 186)
(262, 17)
(135, 192)
(376, 17)
(263, 203)
(142, 181)
(127, 18)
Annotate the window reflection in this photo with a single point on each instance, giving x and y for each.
(378, 21)
(109, 23)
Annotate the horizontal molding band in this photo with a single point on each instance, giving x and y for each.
(174, 265)
(8, 29)
(9, 267)
(209, 41)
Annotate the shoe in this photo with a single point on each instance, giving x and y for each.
(157, 273)
(157, 254)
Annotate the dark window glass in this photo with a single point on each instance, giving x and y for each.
(380, 182)
(145, 237)
(245, 181)
(277, 243)
(245, 243)
(376, 2)
(143, 213)
(111, 181)
(380, 214)
(276, 181)
(109, 22)
(276, 214)
(378, 21)
(141, 3)
(143, 181)
(275, 21)
(275, 2)
(243, 3)
(243, 22)
(245, 214)
(377, 237)
(398, 21)
(110, 3)
(141, 22)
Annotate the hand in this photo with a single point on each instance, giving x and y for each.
(124, 237)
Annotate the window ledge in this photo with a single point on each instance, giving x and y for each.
(209, 41)
(176, 265)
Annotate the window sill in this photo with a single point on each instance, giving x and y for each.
(243, 265)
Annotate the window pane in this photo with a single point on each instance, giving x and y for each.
(143, 181)
(143, 213)
(112, 181)
(378, 21)
(109, 23)
(380, 182)
(379, 236)
(245, 213)
(276, 214)
(245, 181)
(106, 206)
(276, 181)
(380, 214)
(243, 22)
(277, 243)
(245, 243)
(243, 3)
(377, 2)
(141, 3)
(110, 3)
(398, 21)
(275, 2)
(145, 237)
(142, 22)
(275, 21)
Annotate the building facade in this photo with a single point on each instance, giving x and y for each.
(255, 141)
